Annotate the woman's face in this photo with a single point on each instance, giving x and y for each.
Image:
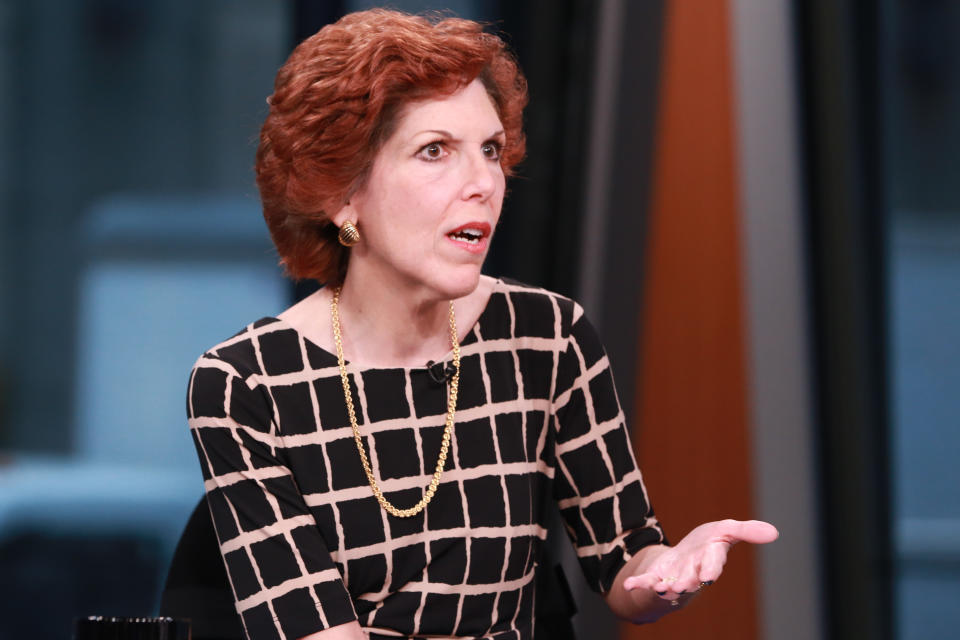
(432, 200)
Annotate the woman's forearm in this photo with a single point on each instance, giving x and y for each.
(348, 631)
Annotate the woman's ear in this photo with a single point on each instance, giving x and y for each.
(346, 212)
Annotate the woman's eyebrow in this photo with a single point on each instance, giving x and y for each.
(447, 134)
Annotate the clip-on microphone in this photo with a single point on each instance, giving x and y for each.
(438, 373)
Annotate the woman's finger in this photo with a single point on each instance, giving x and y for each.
(752, 531)
(711, 564)
(689, 579)
(685, 580)
(642, 581)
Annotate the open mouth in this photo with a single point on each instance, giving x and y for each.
(468, 235)
(472, 236)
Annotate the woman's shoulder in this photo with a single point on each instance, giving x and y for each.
(536, 311)
(243, 354)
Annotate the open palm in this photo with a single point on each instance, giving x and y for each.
(699, 557)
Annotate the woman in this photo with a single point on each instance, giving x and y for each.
(358, 489)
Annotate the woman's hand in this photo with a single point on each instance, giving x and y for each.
(698, 559)
(659, 578)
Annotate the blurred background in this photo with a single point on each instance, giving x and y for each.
(757, 201)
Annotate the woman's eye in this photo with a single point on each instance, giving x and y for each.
(433, 151)
(491, 150)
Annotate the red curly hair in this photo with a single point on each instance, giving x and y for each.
(337, 99)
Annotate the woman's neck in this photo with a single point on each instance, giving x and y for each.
(389, 323)
(381, 328)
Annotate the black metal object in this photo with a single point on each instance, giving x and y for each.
(112, 628)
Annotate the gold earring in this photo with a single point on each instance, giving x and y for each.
(349, 234)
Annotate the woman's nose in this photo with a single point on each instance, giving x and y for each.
(481, 176)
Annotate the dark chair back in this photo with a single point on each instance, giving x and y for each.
(197, 586)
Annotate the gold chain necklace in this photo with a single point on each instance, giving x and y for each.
(447, 430)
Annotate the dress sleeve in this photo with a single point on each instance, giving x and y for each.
(284, 581)
(597, 485)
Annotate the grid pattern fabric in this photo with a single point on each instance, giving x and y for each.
(306, 545)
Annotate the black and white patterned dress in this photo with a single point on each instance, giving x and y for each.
(307, 546)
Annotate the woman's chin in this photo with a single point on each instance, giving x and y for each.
(459, 283)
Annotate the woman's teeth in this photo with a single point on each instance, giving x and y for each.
(472, 236)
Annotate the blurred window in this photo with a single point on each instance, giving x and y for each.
(143, 115)
(922, 130)
(131, 240)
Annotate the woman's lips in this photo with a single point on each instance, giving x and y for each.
(472, 237)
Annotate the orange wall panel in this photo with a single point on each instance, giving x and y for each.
(692, 436)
